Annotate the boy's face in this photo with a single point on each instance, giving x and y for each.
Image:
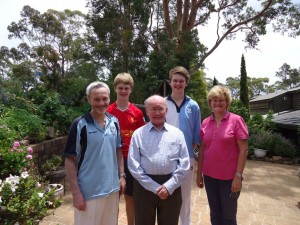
(178, 83)
(123, 90)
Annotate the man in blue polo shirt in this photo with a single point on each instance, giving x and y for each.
(93, 161)
(184, 113)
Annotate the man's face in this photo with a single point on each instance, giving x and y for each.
(123, 90)
(178, 83)
(99, 100)
(156, 111)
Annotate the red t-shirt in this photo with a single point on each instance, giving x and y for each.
(129, 120)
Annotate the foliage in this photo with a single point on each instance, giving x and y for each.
(289, 77)
(258, 123)
(237, 107)
(24, 200)
(15, 160)
(244, 93)
(51, 49)
(7, 136)
(274, 143)
(52, 164)
(197, 90)
(56, 114)
(25, 124)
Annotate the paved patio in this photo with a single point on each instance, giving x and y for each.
(270, 196)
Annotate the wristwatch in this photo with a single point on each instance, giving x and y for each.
(238, 174)
(122, 175)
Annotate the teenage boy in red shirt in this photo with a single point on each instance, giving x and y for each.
(130, 118)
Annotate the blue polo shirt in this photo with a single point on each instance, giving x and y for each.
(95, 150)
(187, 118)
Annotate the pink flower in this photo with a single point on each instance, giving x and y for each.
(29, 157)
(16, 144)
(29, 150)
(20, 150)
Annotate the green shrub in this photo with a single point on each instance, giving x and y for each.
(258, 123)
(7, 136)
(274, 143)
(25, 124)
(237, 107)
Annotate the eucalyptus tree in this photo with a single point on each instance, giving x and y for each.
(289, 77)
(56, 41)
(171, 31)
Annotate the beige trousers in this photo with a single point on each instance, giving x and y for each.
(99, 211)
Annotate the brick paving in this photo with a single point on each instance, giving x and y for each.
(270, 196)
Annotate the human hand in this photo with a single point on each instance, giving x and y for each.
(122, 184)
(199, 181)
(162, 192)
(236, 185)
(79, 202)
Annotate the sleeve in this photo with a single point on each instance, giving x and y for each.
(197, 119)
(70, 149)
(241, 129)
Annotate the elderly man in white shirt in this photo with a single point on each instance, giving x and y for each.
(159, 161)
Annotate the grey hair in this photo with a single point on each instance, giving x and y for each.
(96, 84)
(146, 102)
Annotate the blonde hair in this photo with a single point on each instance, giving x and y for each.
(220, 91)
(123, 78)
(179, 70)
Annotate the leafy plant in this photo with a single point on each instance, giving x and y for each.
(52, 164)
(7, 136)
(25, 124)
(15, 160)
(258, 123)
(24, 200)
(274, 143)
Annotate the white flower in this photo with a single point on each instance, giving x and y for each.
(24, 174)
(17, 223)
(38, 184)
(41, 194)
(0, 199)
(50, 203)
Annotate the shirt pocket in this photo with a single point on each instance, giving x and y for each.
(171, 150)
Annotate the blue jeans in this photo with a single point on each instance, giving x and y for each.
(222, 204)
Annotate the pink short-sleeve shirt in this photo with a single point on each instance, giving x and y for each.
(221, 149)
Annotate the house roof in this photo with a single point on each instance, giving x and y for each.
(287, 119)
(274, 94)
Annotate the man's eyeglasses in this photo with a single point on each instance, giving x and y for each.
(160, 110)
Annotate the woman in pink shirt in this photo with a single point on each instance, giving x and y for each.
(222, 157)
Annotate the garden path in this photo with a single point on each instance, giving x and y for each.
(270, 196)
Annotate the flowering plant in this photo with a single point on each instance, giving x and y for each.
(24, 200)
(15, 160)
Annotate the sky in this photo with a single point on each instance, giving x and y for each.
(274, 49)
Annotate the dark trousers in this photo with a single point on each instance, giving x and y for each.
(148, 204)
(222, 204)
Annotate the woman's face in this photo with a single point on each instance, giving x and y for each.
(218, 105)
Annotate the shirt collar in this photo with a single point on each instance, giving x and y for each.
(224, 118)
(152, 127)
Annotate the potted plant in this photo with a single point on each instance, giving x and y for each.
(267, 143)
(261, 143)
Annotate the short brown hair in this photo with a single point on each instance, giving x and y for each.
(123, 78)
(180, 70)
